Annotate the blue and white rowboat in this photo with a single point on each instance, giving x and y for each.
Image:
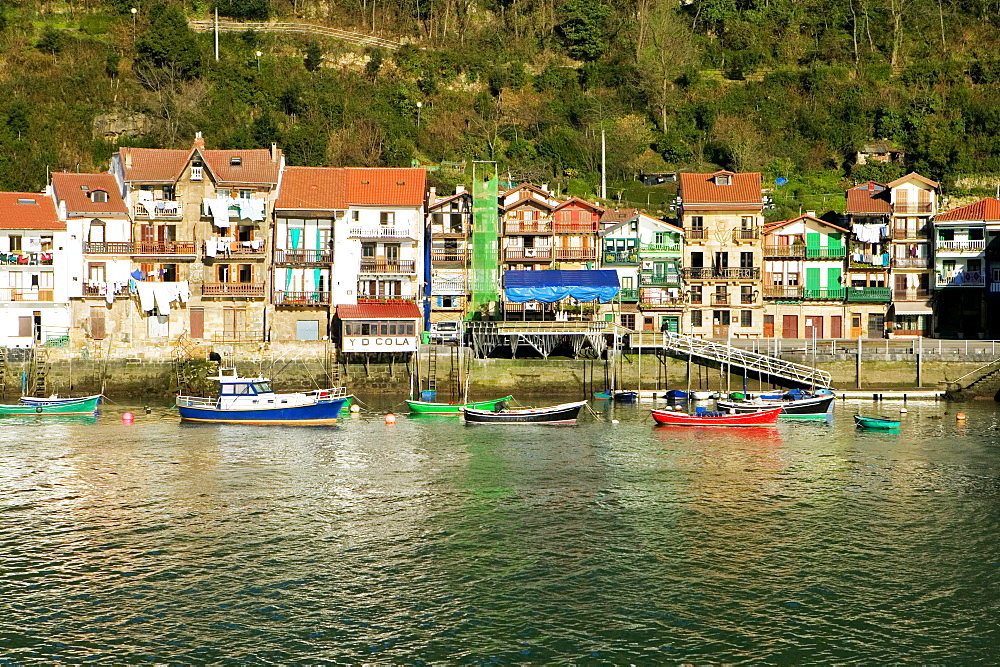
(253, 401)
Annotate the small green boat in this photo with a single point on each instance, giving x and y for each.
(876, 423)
(83, 406)
(346, 408)
(424, 408)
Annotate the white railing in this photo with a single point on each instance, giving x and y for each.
(962, 246)
(381, 232)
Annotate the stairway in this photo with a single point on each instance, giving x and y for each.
(40, 372)
(739, 359)
(986, 383)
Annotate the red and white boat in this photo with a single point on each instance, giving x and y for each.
(767, 417)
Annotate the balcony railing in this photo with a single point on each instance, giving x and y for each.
(303, 257)
(907, 234)
(880, 261)
(995, 287)
(834, 252)
(824, 293)
(708, 273)
(696, 234)
(910, 262)
(720, 299)
(386, 298)
(578, 254)
(575, 227)
(95, 291)
(926, 207)
(108, 248)
(660, 302)
(746, 234)
(26, 258)
(624, 257)
(164, 248)
(869, 294)
(628, 294)
(161, 209)
(660, 247)
(528, 227)
(961, 279)
(797, 250)
(527, 254)
(407, 266)
(448, 257)
(910, 294)
(785, 292)
(223, 247)
(241, 290)
(380, 232)
(306, 299)
(26, 294)
(448, 287)
(961, 246)
(666, 279)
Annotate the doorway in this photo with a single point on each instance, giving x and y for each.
(789, 326)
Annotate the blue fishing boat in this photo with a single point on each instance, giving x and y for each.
(252, 401)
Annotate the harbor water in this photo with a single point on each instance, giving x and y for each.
(429, 540)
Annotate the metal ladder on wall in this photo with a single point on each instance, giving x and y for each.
(39, 372)
(738, 358)
(456, 372)
(3, 370)
(432, 360)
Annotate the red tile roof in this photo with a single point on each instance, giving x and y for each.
(153, 165)
(75, 189)
(311, 189)
(868, 197)
(985, 209)
(582, 202)
(399, 310)
(616, 215)
(529, 200)
(165, 165)
(699, 191)
(386, 186)
(28, 210)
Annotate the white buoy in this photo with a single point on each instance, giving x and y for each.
(902, 411)
(614, 421)
(355, 408)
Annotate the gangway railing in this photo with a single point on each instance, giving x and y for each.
(736, 357)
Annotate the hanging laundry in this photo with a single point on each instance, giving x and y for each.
(147, 296)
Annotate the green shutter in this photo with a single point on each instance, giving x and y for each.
(835, 240)
(833, 287)
(812, 279)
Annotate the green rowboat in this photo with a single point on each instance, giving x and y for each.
(877, 423)
(84, 406)
(423, 408)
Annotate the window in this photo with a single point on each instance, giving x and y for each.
(746, 318)
(746, 260)
(723, 179)
(99, 197)
(721, 317)
(245, 194)
(746, 222)
(697, 222)
(696, 318)
(97, 232)
(355, 216)
(196, 173)
(169, 193)
(696, 294)
(628, 320)
(386, 218)
(223, 273)
(15, 242)
(96, 272)
(246, 273)
(746, 294)
(235, 161)
(368, 251)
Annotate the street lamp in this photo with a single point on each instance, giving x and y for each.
(419, 104)
(134, 12)
(258, 54)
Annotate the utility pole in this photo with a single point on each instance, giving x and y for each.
(604, 167)
(217, 35)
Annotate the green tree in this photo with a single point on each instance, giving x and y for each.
(314, 57)
(168, 50)
(51, 41)
(246, 10)
(584, 28)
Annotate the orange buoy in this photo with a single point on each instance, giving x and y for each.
(960, 416)
(128, 418)
(390, 418)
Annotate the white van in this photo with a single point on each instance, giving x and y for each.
(446, 332)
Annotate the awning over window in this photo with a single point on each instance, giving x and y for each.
(549, 286)
(379, 311)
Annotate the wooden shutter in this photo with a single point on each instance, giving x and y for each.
(197, 323)
(790, 326)
(97, 324)
(836, 326)
(24, 326)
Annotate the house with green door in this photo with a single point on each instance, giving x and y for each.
(804, 290)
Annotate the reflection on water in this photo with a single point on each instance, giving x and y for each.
(427, 540)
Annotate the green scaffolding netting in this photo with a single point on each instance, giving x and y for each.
(485, 273)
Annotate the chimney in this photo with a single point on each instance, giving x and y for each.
(128, 159)
(274, 152)
(811, 214)
(545, 188)
(459, 189)
(432, 195)
(198, 141)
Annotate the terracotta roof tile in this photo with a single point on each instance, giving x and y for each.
(76, 189)
(385, 186)
(987, 210)
(868, 197)
(581, 202)
(529, 200)
(699, 191)
(311, 189)
(255, 166)
(379, 311)
(153, 165)
(28, 210)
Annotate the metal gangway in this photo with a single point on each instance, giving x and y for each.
(735, 357)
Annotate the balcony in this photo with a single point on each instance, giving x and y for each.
(880, 262)
(720, 300)
(961, 279)
(795, 251)
(575, 227)
(160, 209)
(922, 208)
(449, 258)
(301, 299)
(528, 227)
(405, 266)
(660, 248)
(910, 262)
(628, 294)
(386, 298)
(624, 257)
(995, 287)
(26, 294)
(834, 252)
(869, 294)
(707, 273)
(910, 295)
(303, 257)
(824, 293)
(223, 247)
(26, 258)
(380, 232)
(577, 254)
(448, 287)
(527, 254)
(961, 246)
(164, 248)
(661, 302)
(745, 235)
(660, 280)
(95, 291)
(234, 290)
(696, 235)
(108, 248)
(783, 292)
(904, 234)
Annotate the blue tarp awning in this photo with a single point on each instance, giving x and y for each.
(550, 286)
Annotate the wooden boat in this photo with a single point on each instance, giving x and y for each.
(767, 417)
(700, 395)
(876, 423)
(678, 394)
(624, 396)
(425, 408)
(602, 395)
(252, 401)
(565, 413)
(816, 407)
(55, 400)
(79, 406)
